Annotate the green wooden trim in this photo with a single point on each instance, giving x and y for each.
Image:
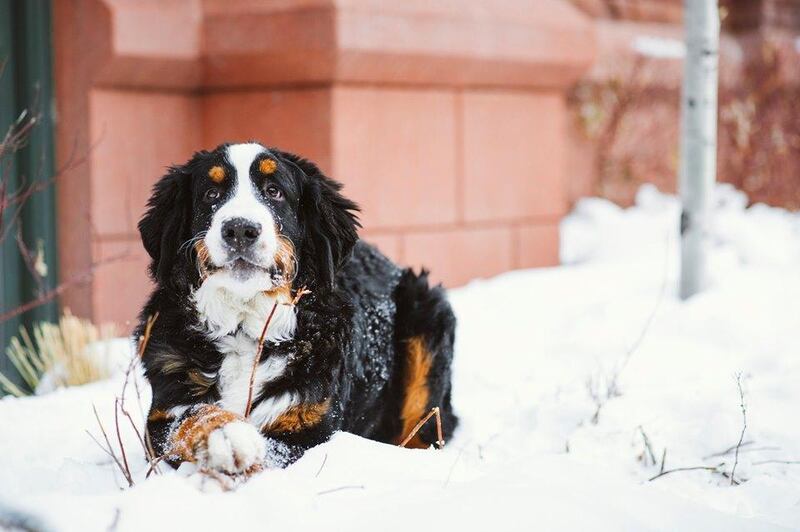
(27, 83)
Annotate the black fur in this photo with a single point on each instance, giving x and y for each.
(350, 344)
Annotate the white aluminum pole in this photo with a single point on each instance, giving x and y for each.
(698, 148)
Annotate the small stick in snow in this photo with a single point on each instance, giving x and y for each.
(115, 521)
(121, 445)
(260, 349)
(744, 426)
(648, 447)
(341, 488)
(324, 461)
(713, 469)
(110, 450)
(786, 462)
(146, 440)
(434, 412)
(730, 450)
(663, 460)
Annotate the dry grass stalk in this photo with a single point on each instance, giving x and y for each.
(439, 437)
(58, 351)
(124, 469)
(119, 407)
(260, 349)
(713, 469)
(744, 426)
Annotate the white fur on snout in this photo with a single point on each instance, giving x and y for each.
(234, 448)
(243, 203)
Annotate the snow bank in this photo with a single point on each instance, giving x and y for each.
(554, 418)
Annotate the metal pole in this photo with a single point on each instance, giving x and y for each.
(698, 166)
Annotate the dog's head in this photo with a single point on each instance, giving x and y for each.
(250, 217)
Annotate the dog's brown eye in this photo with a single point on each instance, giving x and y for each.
(274, 192)
(211, 195)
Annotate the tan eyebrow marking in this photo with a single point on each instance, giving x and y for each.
(267, 166)
(216, 174)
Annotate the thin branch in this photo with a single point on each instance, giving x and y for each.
(786, 462)
(341, 488)
(110, 450)
(114, 521)
(434, 412)
(728, 450)
(324, 461)
(714, 469)
(260, 349)
(121, 445)
(744, 426)
(647, 446)
(50, 295)
(257, 360)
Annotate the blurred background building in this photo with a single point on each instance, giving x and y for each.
(464, 128)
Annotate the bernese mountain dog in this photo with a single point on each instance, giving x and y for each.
(234, 235)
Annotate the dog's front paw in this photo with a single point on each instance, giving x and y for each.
(219, 440)
(237, 447)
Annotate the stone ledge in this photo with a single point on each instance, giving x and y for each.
(193, 45)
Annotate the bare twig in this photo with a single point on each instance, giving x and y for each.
(257, 360)
(648, 447)
(52, 294)
(115, 521)
(453, 466)
(713, 469)
(434, 412)
(110, 450)
(30, 260)
(728, 450)
(663, 460)
(121, 445)
(260, 349)
(146, 440)
(786, 462)
(744, 426)
(324, 461)
(154, 466)
(341, 488)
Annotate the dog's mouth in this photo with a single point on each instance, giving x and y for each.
(244, 268)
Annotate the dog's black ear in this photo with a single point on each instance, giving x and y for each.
(329, 219)
(167, 222)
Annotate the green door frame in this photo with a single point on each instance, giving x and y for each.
(26, 83)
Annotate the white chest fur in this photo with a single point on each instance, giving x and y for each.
(223, 310)
(234, 321)
(239, 352)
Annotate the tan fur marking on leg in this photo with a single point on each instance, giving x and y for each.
(415, 402)
(299, 417)
(194, 430)
(159, 415)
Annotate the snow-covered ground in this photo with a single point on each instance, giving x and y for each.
(572, 383)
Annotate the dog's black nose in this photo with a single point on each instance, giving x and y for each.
(240, 233)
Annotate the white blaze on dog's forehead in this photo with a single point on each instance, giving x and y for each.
(243, 202)
(244, 199)
(241, 157)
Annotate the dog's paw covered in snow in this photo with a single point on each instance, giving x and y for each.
(235, 448)
(219, 440)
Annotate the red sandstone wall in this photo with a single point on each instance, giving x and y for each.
(446, 121)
